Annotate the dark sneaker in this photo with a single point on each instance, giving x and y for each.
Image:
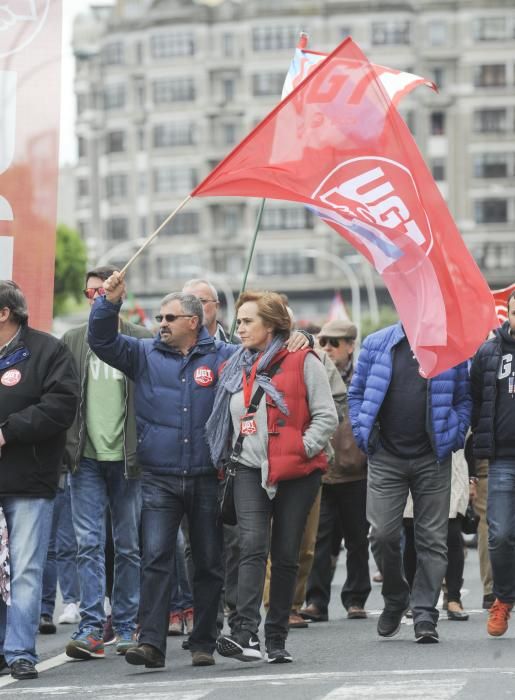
(276, 653)
(46, 625)
(243, 646)
(85, 645)
(425, 633)
(202, 658)
(23, 669)
(145, 655)
(389, 622)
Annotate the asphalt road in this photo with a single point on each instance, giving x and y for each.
(338, 660)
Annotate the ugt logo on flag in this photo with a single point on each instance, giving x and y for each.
(376, 200)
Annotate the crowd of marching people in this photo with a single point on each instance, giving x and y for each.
(179, 482)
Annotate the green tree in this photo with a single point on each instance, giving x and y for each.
(70, 268)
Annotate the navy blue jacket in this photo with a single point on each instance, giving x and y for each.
(483, 374)
(449, 400)
(174, 393)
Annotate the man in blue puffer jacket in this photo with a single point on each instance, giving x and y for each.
(175, 376)
(408, 426)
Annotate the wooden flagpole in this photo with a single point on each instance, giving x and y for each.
(154, 234)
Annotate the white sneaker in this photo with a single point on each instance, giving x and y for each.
(70, 616)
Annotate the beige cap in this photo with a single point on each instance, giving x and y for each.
(339, 329)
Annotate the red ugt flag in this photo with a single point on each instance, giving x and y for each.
(337, 144)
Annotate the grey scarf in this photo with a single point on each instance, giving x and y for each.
(218, 427)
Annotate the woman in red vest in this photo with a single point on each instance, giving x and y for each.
(273, 414)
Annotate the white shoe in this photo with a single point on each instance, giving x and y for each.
(70, 616)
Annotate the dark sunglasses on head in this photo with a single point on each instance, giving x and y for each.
(170, 318)
(334, 342)
(90, 292)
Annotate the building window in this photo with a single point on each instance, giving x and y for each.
(113, 54)
(493, 75)
(139, 53)
(390, 33)
(173, 266)
(174, 134)
(286, 218)
(491, 165)
(174, 180)
(82, 187)
(284, 264)
(115, 142)
(114, 96)
(344, 32)
(267, 84)
(82, 147)
(142, 183)
(228, 44)
(490, 121)
(168, 90)
(117, 228)
(183, 223)
(274, 38)
(437, 33)
(437, 123)
(231, 221)
(438, 75)
(170, 45)
(228, 89)
(490, 29)
(491, 211)
(229, 134)
(82, 102)
(116, 186)
(438, 169)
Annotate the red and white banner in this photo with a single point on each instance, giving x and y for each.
(501, 302)
(338, 144)
(396, 83)
(30, 64)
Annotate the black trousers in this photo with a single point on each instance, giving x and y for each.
(342, 506)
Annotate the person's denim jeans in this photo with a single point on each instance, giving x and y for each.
(94, 487)
(61, 563)
(255, 511)
(166, 499)
(181, 598)
(389, 480)
(28, 523)
(500, 514)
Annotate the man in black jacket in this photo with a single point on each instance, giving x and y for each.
(493, 422)
(38, 400)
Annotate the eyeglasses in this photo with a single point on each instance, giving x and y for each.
(90, 292)
(333, 342)
(170, 318)
(206, 301)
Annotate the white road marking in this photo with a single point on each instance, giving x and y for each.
(408, 690)
(375, 679)
(43, 666)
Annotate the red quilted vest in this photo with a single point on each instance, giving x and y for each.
(286, 455)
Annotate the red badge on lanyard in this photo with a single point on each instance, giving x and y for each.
(247, 422)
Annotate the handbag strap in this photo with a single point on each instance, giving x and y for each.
(253, 407)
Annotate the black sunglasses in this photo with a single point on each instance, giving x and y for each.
(334, 342)
(170, 318)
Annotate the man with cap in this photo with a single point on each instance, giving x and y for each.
(343, 505)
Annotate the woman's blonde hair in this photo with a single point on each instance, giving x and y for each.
(271, 309)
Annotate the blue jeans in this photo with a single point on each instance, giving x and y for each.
(94, 486)
(181, 598)
(28, 523)
(500, 513)
(61, 560)
(165, 500)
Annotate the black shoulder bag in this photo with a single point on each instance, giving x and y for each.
(226, 498)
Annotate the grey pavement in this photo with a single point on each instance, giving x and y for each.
(341, 659)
